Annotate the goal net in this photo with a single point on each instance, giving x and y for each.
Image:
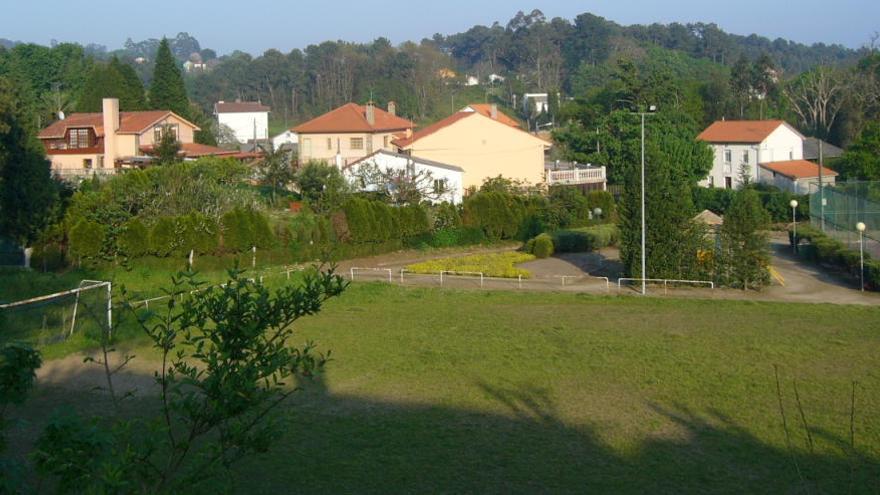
(50, 318)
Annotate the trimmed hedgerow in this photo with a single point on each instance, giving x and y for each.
(821, 248)
(499, 215)
(134, 240)
(87, 239)
(369, 221)
(585, 239)
(164, 237)
(245, 228)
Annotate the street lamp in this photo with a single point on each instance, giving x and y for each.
(651, 109)
(861, 228)
(794, 205)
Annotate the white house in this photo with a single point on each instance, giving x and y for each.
(495, 78)
(537, 102)
(249, 120)
(443, 182)
(287, 137)
(741, 145)
(796, 176)
(472, 81)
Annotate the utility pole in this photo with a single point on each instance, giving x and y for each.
(821, 186)
(644, 263)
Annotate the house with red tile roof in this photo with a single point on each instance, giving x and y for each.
(482, 146)
(248, 120)
(346, 134)
(740, 146)
(797, 176)
(85, 144)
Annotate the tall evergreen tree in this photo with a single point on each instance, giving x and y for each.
(745, 254)
(113, 80)
(167, 91)
(27, 191)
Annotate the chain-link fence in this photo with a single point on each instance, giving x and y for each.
(838, 209)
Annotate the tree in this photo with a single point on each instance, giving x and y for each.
(817, 96)
(745, 253)
(18, 365)
(167, 91)
(227, 367)
(322, 186)
(113, 80)
(27, 191)
(401, 186)
(275, 170)
(861, 160)
(167, 150)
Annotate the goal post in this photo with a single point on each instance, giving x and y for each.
(52, 317)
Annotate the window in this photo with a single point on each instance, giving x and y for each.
(728, 156)
(157, 132)
(79, 138)
(728, 183)
(329, 143)
(745, 156)
(357, 143)
(439, 186)
(791, 155)
(87, 163)
(385, 142)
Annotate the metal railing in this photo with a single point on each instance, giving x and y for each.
(461, 274)
(354, 270)
(666, 282)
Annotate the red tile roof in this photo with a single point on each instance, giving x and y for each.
(240, 107)
(129, 123)
(740, 131)
(798, 169)
(352, 117)
(486, 109)
(431, 129)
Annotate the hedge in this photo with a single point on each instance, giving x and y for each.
(499, 215)
(776, 202)
(543, 246)
(367, 221)
(823, 249)
(134, 241)
(87, 239)
(243, 229)
(585, 239)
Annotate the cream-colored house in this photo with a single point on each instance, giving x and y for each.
(482, 146)
(349, 133)
(84, 144)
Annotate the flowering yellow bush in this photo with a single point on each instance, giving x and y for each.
(491, 265)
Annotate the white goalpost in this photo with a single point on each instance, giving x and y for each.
(84, 286)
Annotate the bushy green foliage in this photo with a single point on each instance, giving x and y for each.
(585, 239)
(244, 229)
(776, 202)
(446, 216)
(499, 215)
(134, 241)
(462, 236)
(167, 91)
(816, 246)
(745, 254)
(490, 265)
(370, 221)
(199, 233)
(18, 365)
(543, 246)
(164, 237)
(87, 239)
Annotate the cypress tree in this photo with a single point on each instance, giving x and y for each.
(167, 91)
(113, 80)
(745, 253)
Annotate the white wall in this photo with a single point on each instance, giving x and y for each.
(454, 190)
(799, 186)
(242, 123)
(286, 137)
(781, 145)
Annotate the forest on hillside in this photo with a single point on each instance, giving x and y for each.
(591, 65)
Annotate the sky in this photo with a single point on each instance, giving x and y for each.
(257, 25)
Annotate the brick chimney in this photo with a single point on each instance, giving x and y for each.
(392, 108)
(110, 112)
(494, 112)
(370, 112)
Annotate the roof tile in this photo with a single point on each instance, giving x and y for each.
(739, 131)
(798, 169)
(351, 117)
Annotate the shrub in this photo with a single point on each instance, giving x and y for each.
(47, 257)
(447, 216)
(585, 239)
(824, 249)
(543, 246)
(87, 239)
(134, 241)
(198, 233)
(490, 265)
(603, 200)
(164, 238)
(499, 215)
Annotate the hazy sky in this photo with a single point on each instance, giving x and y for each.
(256, 25)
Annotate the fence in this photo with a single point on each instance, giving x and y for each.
(665, 282)
(837, 209)
(54, 317)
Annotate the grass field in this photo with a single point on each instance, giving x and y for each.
(438, 390)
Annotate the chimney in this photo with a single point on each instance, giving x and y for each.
(494, 112)
(370, 112)
(110, 112)
(392, 108)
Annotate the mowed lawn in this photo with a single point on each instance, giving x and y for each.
(467, 391)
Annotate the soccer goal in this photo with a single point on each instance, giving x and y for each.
(51, 318)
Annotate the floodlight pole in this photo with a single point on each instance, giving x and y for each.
(861, 228)
(794, 205)
(644, 263)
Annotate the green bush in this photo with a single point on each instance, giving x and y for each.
(775, 201)
(245, 228)
(134, 240)
(87, 239)
(47, 257)
(198, 233)
(376, 222)
(823, 249)
(603, 200)
(499, 215)
(585, 239)
(164, 237)
(543, 246)
(447, 216)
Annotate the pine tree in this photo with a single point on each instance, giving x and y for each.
(113, 80)
(168, 147)
(167, 91)
(745, 253)
(27, 191)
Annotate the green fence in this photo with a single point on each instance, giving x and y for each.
(837, 210)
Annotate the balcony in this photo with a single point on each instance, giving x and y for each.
(577, 177)
(83, 173)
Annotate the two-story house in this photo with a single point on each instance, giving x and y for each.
(349, 133)
(740, 146)
(249, 120)
(84, 144)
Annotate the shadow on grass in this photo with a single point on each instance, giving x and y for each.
(336, 443)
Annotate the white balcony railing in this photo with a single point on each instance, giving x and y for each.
(593, 175)
(74, 173)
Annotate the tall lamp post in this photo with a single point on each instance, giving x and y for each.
(861, 228)
(794, 205)
(651, 109)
